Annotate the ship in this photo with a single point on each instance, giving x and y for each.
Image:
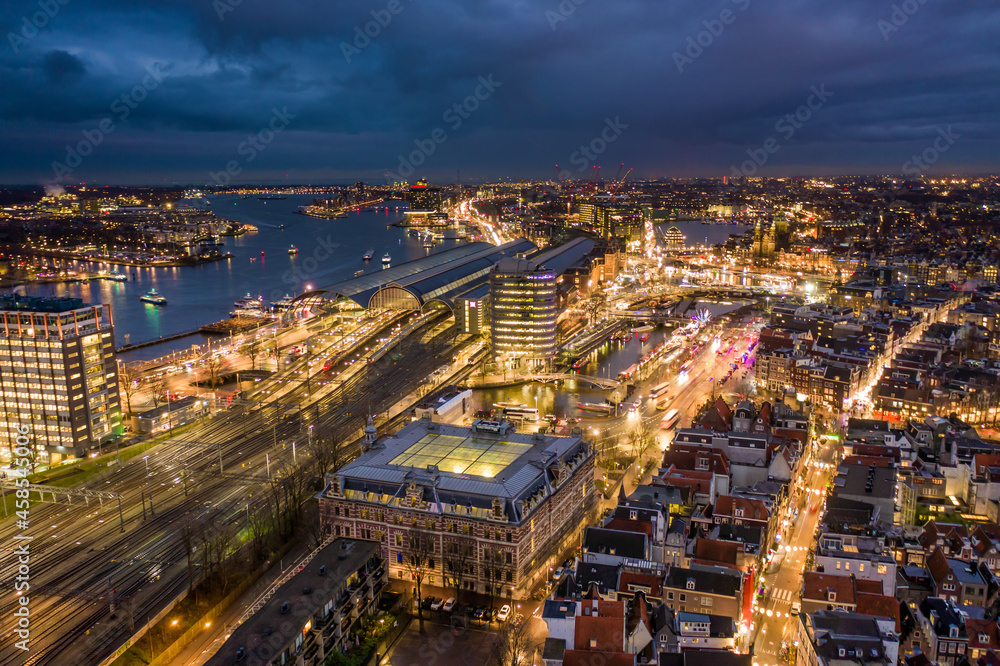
(248, 301)
(293, 250)
(271, 197)
(284, 304)
(359, 273)
(341, 214)
(386, 259)
(153, 297)
(369, 255)
(428, 241)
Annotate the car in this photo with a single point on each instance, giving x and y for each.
(558, 573)
(504, 613)
(426, 603)
(479, 613)
(436, 604)
(796, 608)
(449, 605)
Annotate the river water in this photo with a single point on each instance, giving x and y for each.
(329, 251)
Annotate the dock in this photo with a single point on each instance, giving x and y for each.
(235, 325)
(224, 327)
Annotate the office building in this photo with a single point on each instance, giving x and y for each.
(58, 376)
(486, 506)
(426, 206)
(523, 312)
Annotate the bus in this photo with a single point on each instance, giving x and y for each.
(524, 413)
(686, 366)
(659, 390)
(670, 420)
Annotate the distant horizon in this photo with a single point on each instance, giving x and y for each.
(351, 182)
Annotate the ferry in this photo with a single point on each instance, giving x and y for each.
(429, 241)
(293, 250)
(153, 297)
(508, 404)
(386, 259)
(284, 303)
(369, 255)
(249, 301)
(595, 407)
(359, 273)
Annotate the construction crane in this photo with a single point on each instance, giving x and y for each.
(614, 190)
(619, 174)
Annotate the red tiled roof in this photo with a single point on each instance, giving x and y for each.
(815, 586)
(712, 551)
(608, 632)
(654, 583)
(726, 505)
(626, 525)
(878, 604)
(937, 565)
(974, 627)
(868, 586)
(595, 658)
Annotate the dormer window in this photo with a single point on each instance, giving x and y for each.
(633, 514)
(984, 638)
(841, 652)
(952, 631)
(690, 583)
(738, 512)
(831, 595)
(593, 642)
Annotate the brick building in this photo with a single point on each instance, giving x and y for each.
(484, 506)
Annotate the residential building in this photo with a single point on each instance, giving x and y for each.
(705, 589)
(312, 614)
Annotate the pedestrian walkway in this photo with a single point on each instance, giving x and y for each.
(783, 596)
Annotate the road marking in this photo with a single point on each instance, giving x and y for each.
(783, 596)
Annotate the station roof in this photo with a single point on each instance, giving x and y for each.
(562, 257)
(436, 276)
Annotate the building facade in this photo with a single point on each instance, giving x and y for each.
(523, 312)
(59, 376)
(480, 507)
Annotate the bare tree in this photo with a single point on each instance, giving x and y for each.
(128, 384)
(252, 348)
(494, 570)
(513, 645)
(418, 560)
(157, 389)
(458, 556)
(213, 369)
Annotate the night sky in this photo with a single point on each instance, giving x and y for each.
(168, 91)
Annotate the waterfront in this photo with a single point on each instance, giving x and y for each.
(329, 251)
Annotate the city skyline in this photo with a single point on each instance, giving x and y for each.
(233, 92)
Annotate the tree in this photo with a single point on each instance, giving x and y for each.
(157, 389)
(128, 384)
(252, 349)
(513, 645)
(594, 305)
(213, 369)
(418, 560)
(494, 570)
(459, 554)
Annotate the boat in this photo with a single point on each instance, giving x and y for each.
(368, 255)
(153, 297)
(271, 197)
(386, 259)
(644, 336)
(428, 241)
(341, 214)
(293, 250)
(248, 300)
(509, 403)
(281, 226)
(359, 273)
(284, 303)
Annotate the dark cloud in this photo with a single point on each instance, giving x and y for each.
(61, 67)
(893, 83)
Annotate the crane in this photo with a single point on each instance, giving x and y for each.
(619, 174)
(614, 190)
